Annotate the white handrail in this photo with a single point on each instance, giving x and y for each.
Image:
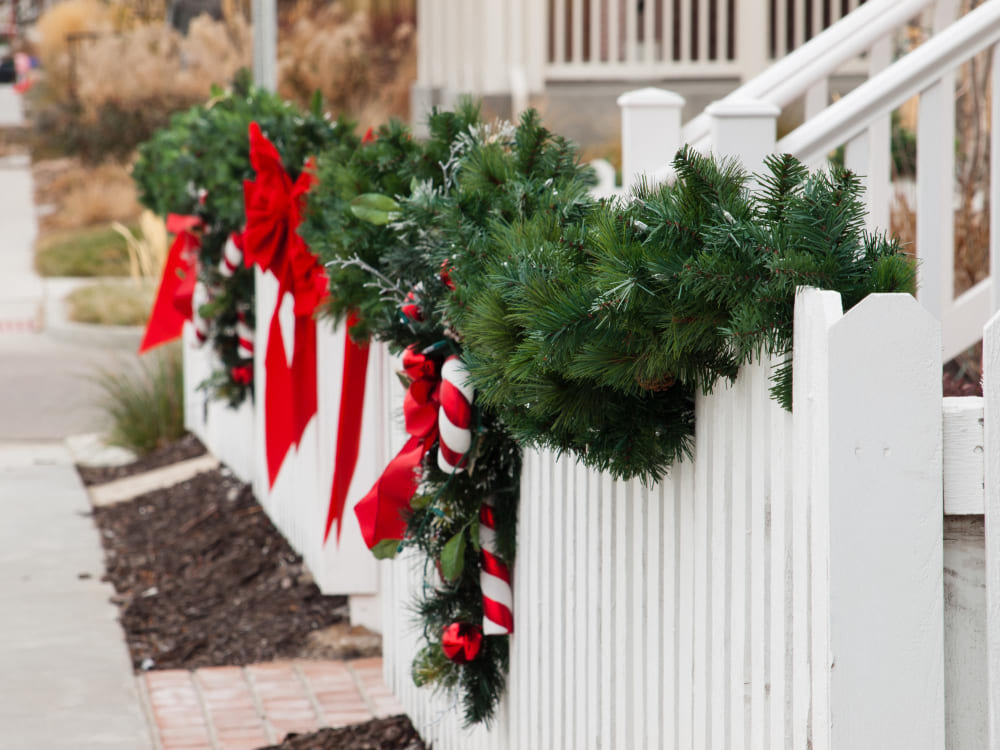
(794, 74)
(905, 78)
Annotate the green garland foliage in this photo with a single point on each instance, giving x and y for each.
(198, 164)
(593, 335)
(351, 241)
(587, 327)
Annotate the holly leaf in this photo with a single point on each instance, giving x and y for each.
(386, 549)
(420, 502)
(375, 208)
(453, 557)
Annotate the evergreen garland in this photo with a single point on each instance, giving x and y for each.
(197, 166)
(586, 326)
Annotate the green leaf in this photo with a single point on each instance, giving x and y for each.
(386, 549)
(316, 103)
(375, 208)
(453, 557)
(419, 502)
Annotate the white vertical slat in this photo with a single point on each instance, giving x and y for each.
(703, 27)
(704, 412)
(801, 545)
(559, 30)
(656, 623)
(622, 618)
(596, 27)
(995, 181)
(739, 565)
(720, 433)
(780, 584)
(817, 98)
(685, 29)
(669, 565)
(817, 17)
(608, 645)
(878, 182)
(546, 596)
(649, 32)
(595, 646)
(759, 599)
(798, 22)
(780, 29)
(935, 191)
(577, 31)
(883, 492)
(991, 424)
(642, 651)
(815, 313)
(580, 655)
(687, 621)
(563, 582)
(722, 31)
(535, 572)
(667, 31)
(631, 33)
(614, 41)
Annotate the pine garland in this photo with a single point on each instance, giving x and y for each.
(587, 326)
(197, 166)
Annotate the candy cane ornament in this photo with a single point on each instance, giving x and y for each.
(199, 297)
(454, 416)
(494, 577)
(232, 256)
(244, 336)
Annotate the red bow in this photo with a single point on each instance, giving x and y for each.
(381, 511)
(461, 641)
(273, 213)
(173, 298)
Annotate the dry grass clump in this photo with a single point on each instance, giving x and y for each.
(111, 304)
(153, 64)
(66, 18)
(82, 196)
(361, 59)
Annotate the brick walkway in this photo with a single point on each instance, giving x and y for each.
(244, 708)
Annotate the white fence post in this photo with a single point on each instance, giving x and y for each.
(744, 129)
(875, 498)
(651, 131)
(991, 447)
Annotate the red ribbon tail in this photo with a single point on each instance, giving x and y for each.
(381, 512)
(166, 321)
(352, 401)
(278, 404)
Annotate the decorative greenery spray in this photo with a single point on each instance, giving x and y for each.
(197, 166)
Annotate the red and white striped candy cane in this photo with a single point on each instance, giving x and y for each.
(494, 577)
(199, 297)
(232, 256)
(244, 336)
(454, 416)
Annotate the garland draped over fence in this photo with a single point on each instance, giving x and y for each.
(527, 313)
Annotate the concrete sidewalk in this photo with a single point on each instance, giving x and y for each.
(65, 676)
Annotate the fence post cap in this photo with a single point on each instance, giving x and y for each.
(650, 97)
(742, 108)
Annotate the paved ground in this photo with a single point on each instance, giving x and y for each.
(243, 708)
(65, 675)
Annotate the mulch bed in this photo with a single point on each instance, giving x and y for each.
(204, 578)
(394, 733)
(180, 450)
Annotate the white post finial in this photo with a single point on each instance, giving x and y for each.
(744, 129)
(651, 131)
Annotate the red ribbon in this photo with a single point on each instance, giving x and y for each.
(173, 298)
(352, 401)
(274, 205)
(461, 641)
(381, 512)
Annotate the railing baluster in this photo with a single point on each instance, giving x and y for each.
(780, 29)
(596, 26)
(559, 30)
(667, 31)
(577, 31)
(631, 33)
(702, 30)
(649, 32)
(995, 181)
(614, 46)
(935, 195)
(685, 30)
